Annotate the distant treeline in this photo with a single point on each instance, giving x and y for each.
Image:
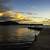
(16, 23)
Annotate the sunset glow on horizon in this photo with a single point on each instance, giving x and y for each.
(38, 8)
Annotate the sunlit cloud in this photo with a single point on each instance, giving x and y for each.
(1, 14)
(18, 16)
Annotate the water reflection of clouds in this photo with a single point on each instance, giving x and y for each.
(21, 31)
(16, 33)
(25, 33)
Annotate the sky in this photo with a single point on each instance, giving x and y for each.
(38, 8)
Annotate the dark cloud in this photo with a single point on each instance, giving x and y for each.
(4, 5)
(4, 1)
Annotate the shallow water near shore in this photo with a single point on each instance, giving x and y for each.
(12, 33)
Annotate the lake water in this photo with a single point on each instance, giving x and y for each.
(16, 33)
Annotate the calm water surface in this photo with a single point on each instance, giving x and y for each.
(18, 33)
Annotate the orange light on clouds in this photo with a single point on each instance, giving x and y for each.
(19, 16)
(1, 14)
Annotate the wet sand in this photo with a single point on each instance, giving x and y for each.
(44, 41)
